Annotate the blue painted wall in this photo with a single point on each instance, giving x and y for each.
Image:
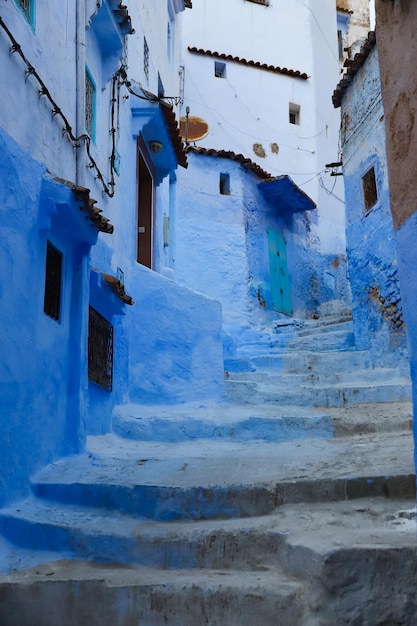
(42, 360)
(371, 247)
(167, 346)
(222, 247)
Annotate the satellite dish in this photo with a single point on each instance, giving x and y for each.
(193, 128)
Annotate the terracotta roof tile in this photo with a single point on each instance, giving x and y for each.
(118, 288)
(174, 133)
(122, 17)
(353, 66)
(93, 213)
(343, 10)
(248, 164)
(249, 63)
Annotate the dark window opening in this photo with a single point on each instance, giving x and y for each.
(90, 104)
(294, 114)
(219, 69)
(53, 282)
(225, 184)
(370, 193)
(100, 350)
(340, 44)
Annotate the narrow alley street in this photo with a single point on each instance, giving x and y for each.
(274, 507)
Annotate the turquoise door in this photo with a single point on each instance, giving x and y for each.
(280, 280)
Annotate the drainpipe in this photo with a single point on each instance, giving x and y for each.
(80, 155)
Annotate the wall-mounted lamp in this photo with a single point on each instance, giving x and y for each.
(155, 147)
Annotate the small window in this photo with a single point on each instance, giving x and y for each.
(27, 7)
(100, 350)
(53, 282)
(146, 58)
(90, 104)
(225, 184)
(340, 44)
(370, 193)
(294, 114)
(219, 69)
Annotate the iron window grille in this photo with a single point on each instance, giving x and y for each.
(90, 104)
(100, 350)
(146, 58)
(53, 282)
(370, 192)
(27, 8)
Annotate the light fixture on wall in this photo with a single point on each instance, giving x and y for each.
(155, 147)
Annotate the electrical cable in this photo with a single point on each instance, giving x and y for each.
(119, 79)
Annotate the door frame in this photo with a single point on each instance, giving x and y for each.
(145, 204)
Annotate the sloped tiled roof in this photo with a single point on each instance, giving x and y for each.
(122, 17)
(248, 164)
(353, 66)
(94, 214)
(174, 133)
(118, 288)
(256, 64)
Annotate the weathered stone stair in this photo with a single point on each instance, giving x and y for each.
(314, 364)
(230, 514)
(222, 531)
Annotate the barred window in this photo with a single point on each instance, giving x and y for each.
(90, 104)
(53, 282)
(27, 8)
(146, 58)
(100, 350)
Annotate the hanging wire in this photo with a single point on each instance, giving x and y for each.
(119, 79)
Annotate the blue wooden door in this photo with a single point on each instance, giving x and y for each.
(278, 266)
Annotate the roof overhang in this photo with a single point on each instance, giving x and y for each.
(157, 124)
(285, 195)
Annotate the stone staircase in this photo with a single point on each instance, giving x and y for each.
(310, 364)
(239, 513)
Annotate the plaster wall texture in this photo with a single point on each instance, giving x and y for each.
(42, 362)
(371, 247)
(222, 247)
(20, 101)
(48, 406)
(248, 110)
(395, 23)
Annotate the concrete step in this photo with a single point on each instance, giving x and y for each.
(261, 423)
(326, 563)
(310, 327)
(69, 593)
(336, 395)
(98, 499)
(321, 342)
(285, 379)
(302, 361)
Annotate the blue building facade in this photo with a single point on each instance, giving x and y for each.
(371, 244)
(247, 239)
(91, 317)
